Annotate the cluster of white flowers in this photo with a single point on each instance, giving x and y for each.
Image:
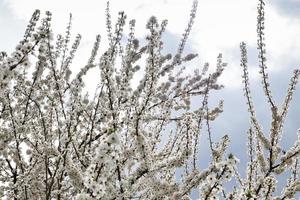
(128, 141)
(267, 159)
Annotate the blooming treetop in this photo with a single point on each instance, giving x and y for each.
(127, 141)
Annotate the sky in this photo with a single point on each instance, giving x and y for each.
(219, 28)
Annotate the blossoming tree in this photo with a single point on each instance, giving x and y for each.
(128, 141)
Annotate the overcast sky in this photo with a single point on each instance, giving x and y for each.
(219, 28)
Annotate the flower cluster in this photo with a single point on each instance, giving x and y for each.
(58, 143)
(139, 130)
(267, 159)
